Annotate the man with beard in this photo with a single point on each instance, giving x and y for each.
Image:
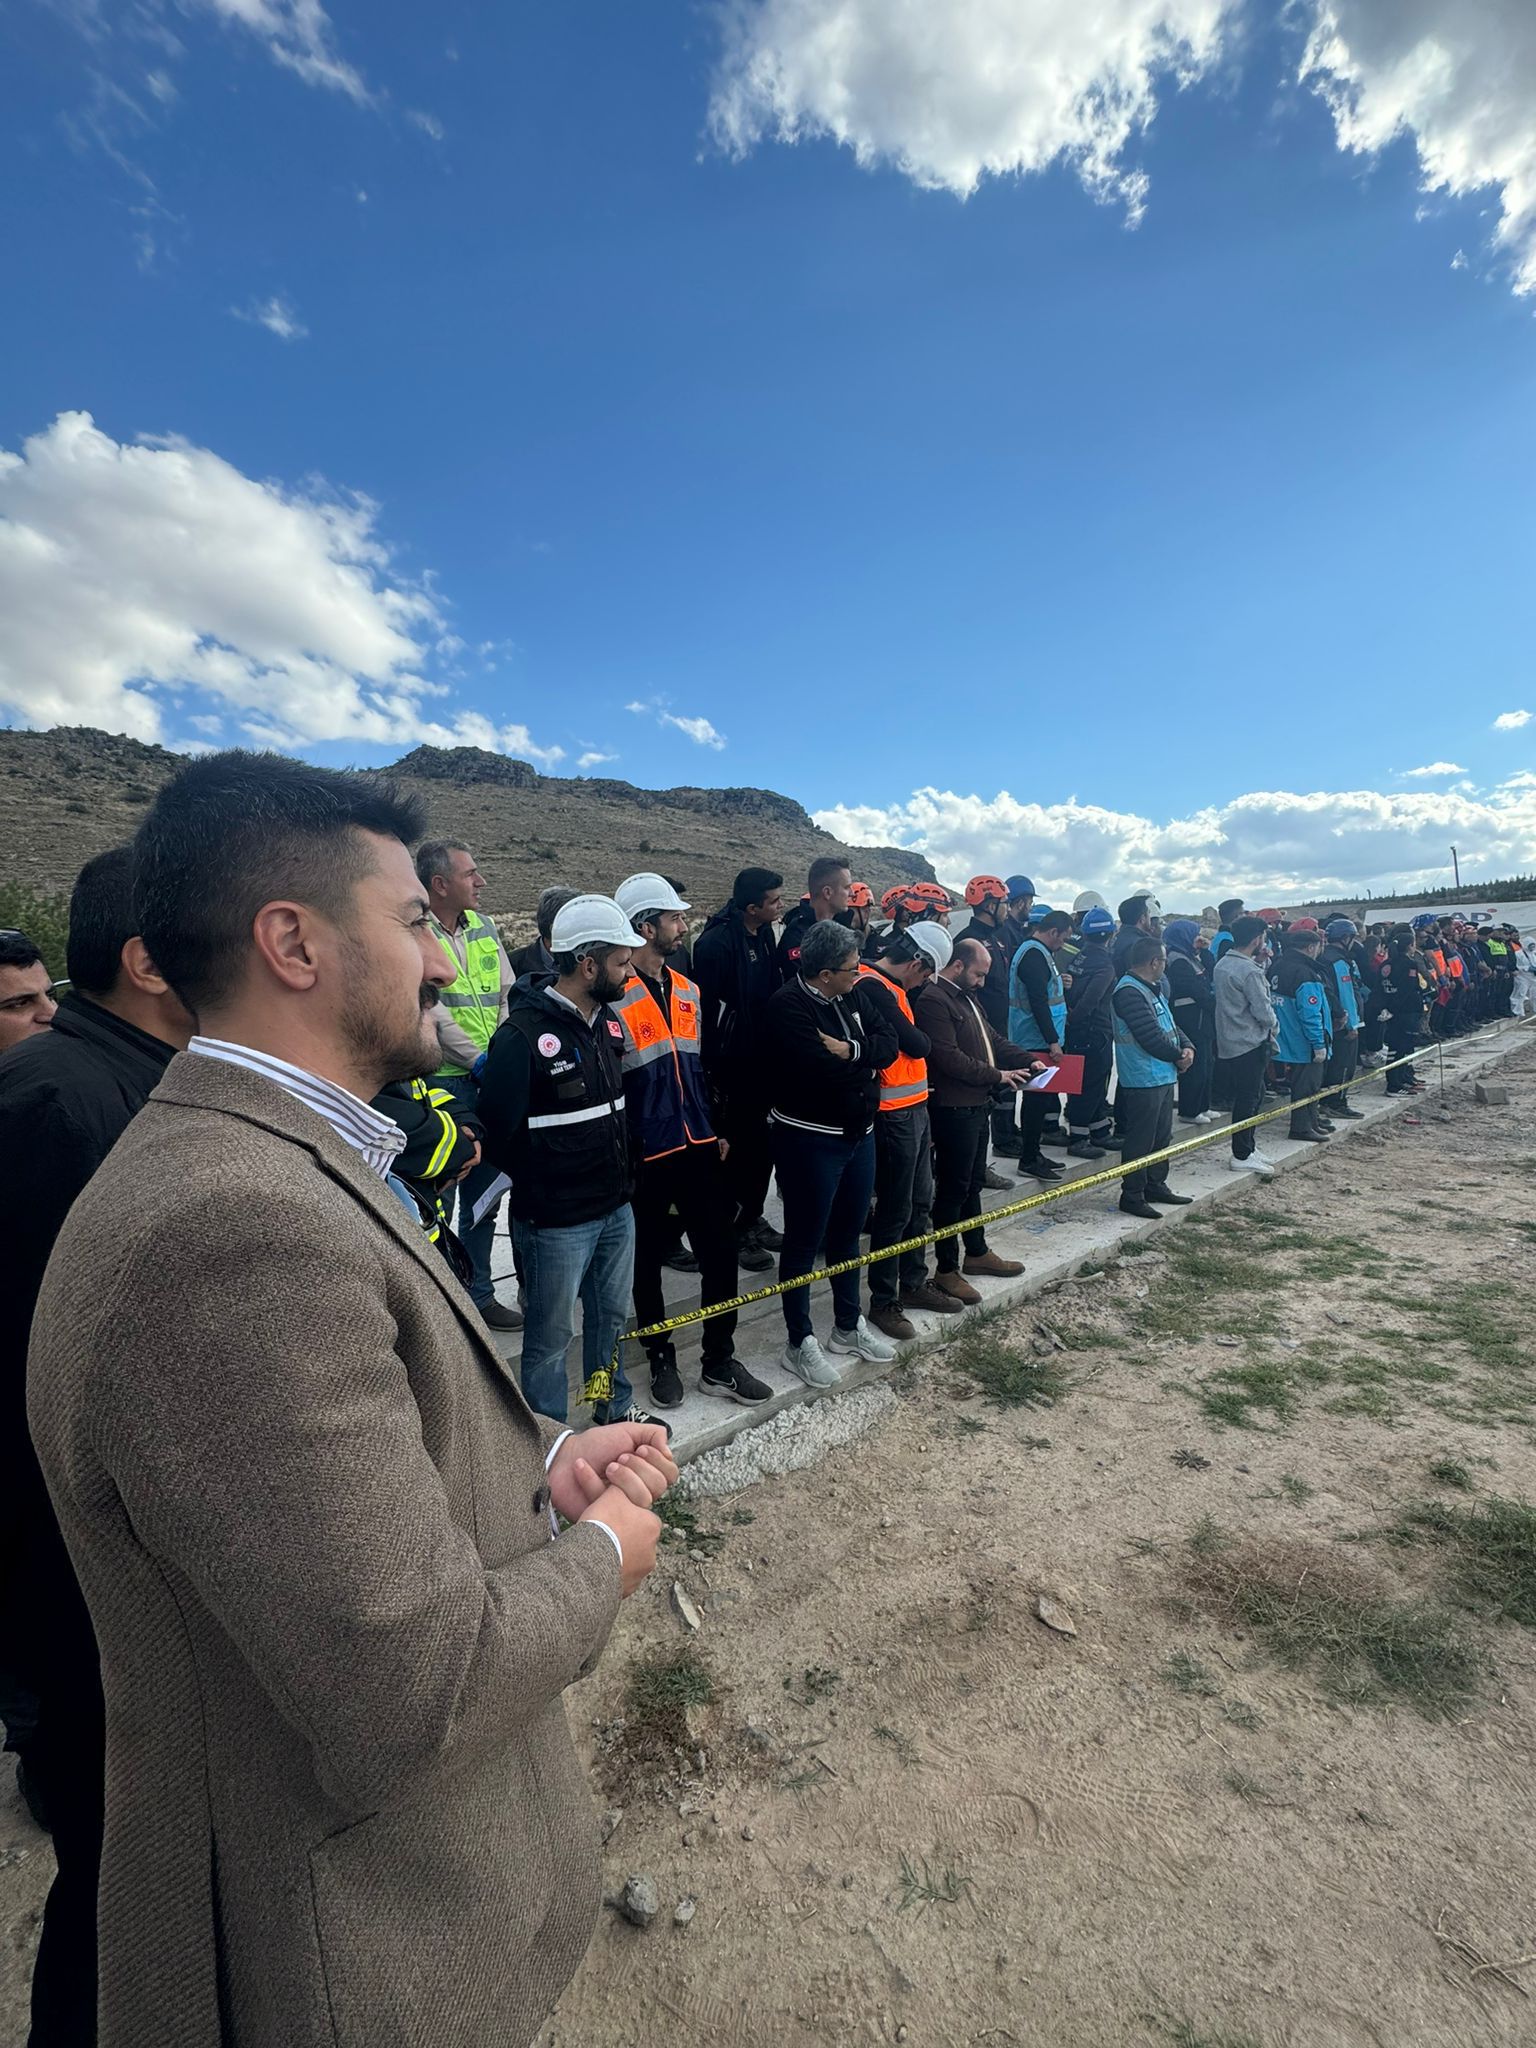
(553, 1108)
(309, 1509)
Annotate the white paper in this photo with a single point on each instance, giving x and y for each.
(490, 1198)
(1042, 1081)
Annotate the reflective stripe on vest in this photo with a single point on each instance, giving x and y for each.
(1136, 1067)
(663, 1068)
(1022, 1028)
(904, 1083)
(572, 1116)
(474, 994)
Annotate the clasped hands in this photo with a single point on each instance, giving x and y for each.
(614, 1474)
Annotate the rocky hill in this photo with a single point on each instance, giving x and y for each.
(72, 792)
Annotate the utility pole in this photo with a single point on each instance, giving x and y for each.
(1456, 868)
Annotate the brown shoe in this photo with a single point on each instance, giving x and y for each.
(932, 1297)
(989, 1262)
(892, 1322)
(956, 1288)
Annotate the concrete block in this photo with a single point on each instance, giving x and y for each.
(1492, 1094)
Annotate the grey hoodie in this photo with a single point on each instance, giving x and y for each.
(1245, 1016)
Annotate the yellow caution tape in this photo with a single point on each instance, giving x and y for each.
(599, 1386)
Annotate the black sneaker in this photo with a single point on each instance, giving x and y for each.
(753, 1257)
(1350, 1116)
(681, 1261)
(729, 1379)
(666, 1381)
(763, 1234)
(1080, 1148)
(603, 1415)
(1041, 1168)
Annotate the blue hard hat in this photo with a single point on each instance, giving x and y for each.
(1425, 917)
(1096, 923)
(1342, 928)
(1019, 885)
(1039, 912)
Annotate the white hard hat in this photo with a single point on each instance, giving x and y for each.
(1090, 899)
(591, 921)
(1154, 908)
(647, 892)
(933, 940)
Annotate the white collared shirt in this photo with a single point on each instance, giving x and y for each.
(378, 1139)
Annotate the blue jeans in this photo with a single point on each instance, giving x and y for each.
(476, 1238)
(591, 1262)
(826, 1185)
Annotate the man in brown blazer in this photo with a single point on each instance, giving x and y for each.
(310, 1510)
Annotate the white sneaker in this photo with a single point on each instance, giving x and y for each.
(1254, 1164)
(862, 1342)
(1262, 1157)
(808, 1362)
(1210, 1116)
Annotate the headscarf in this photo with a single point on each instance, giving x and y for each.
(1180, 936)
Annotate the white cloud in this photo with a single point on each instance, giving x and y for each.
(638, 708)
(276, 315)
(1270, 846)
(1511, 721)
(1458, 78)
(299, 35)
(594, 757)
(951, 94)
(1437, 768)
(131, 569)
(699, 730)
(429, 124)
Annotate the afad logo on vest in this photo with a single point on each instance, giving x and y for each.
(549, 1045)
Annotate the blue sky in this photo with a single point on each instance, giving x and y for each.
(477, 372)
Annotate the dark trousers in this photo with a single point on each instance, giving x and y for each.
(825, 1183)
(1304, 1081)
(1194, 1084)
(903, 1201)
(1005, 1123)
(1034, 1107)
(959, 1167)
(476, 1238)
(694, 1184)
(1402, 1036)
(1146, 1117)
(1342, 1066)
(1088, 1113)
(65, 1762)
(1242, 1079)
(742, 1119)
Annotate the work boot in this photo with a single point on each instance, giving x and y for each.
(889, 1319)
(956, 1288)
(931, 1296)
(753, 1257)
(990, 1262)
(680, 1259)
(1084, 1148)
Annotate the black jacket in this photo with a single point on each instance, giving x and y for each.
(814, 1087)
(66, 1097)
(1192, 998)
(546, 1071)
(534, 958)
(737, 973)
(1090, 1026)
(796, 925)
(993, 993)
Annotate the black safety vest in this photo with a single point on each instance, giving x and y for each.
(570, 1160)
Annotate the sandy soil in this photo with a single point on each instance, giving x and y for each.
(1154, 1830)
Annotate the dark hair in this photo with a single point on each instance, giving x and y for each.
(551, 902)
(1247, 929)
(1143, 949)
(432, 859)
(236, 830)
(823, 868)
(902, 949)
(1133, 910)
(1056, 921)
(17, 950)
(1227, 909)
(753, 884)
(100, 921)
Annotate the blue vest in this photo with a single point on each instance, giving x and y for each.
(1133, 1063)
(1303, 1023)
(1022, 1028)
(1349, 991)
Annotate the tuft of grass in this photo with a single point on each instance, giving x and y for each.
(922, 1885)
(1241, 1715)
(1191, 1461)
(1311, 1609)
(1446, 1472)
(1493, 1551)
(906, 1750)
(1007, 1375)
(676, 1511)
(970, 1425)
(1186, 1674)
(1183, 2033)
(1296, 1490)
(1247, 1787)
(660, 1690)
(980, 1613)
(740, 1516)
(1207, 1537)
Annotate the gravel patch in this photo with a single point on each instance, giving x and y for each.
(795, 1438)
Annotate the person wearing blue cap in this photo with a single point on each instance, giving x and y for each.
(1037, 1019)
(1090, 1033)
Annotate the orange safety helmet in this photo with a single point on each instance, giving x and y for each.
(929, 896)
(898, 897)
(860, 896)
(983, 888)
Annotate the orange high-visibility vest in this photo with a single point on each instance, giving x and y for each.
(904, 1083)
(664, 1090)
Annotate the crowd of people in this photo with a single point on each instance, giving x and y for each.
(268, 1127)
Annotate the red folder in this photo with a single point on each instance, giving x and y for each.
(1068, 1077)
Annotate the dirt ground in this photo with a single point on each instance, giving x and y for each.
(1279, 1789)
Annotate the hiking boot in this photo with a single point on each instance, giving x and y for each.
(1167, 1199)
(499, 1317)
(728, 1380)
(956, 1288)
(996, 1181)
(666, 1380)
(889, 1319)
(1129, 1206)
(990, 1262)
(808, 1362)
(932, 1297)
(862, 1342)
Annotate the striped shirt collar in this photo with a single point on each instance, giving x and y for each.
(377, 1139)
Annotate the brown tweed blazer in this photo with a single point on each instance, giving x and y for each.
(307, 1504)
